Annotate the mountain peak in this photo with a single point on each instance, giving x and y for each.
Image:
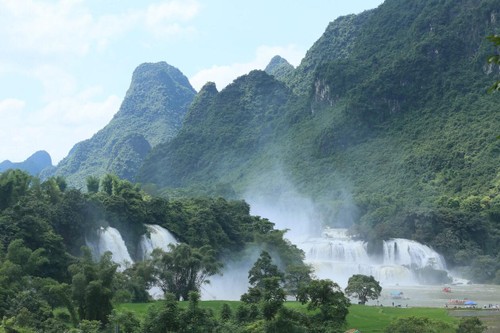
(279, 67)
(33, 164)
(151, 81)
(151, 113)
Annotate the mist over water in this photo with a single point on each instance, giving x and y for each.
(232, 283)
(332, 252)
(291, 212)
(337, 256)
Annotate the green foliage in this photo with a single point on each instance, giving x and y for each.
(264, 278)
(168, 317)
(195, 319)
(416, 325)
(89, 326)
(471, 325)
(364, 318)
(162, 317)
(124, 321)
(13, 185)
(326, 296)
(297, 276)
(266, 287)
(92, 286)
(263, 268)
(184, 269)
(279, 68)
(363, 287)
(288, 321)
(137, 280)
(226, 313)
(494, 59)
(222, 133)
(92, 184)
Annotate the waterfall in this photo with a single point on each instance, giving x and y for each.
(406, 252)
(109, 239)
(335, 255)
(158, 237)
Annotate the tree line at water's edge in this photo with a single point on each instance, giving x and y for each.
(49, 283)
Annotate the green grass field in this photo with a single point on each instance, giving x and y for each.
(368, 319)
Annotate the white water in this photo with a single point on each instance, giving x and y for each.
(337, 256)
(159, 237)
(109, 239)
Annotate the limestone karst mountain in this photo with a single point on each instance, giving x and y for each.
(151, 113)
(33, 164)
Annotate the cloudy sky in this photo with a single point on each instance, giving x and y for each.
(65, 65)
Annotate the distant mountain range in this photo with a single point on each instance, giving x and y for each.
(33, 165)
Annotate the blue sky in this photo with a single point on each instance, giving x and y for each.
(65, 65)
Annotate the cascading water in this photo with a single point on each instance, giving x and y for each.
(110, 239)
(337, 256)
(158, 237)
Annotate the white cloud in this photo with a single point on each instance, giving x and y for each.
(56, 127)
(70, 27)
(223, 75)
(55, 81)
(171, 10)
(10, 106)
(46, 27)
(80, 111)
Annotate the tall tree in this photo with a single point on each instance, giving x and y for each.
(363, 287)
(184, 268)
(297, 276)
(263, 268)
(262, 276)
(266, 282)
(13, 185)
(326, 296)
(92, 184)
(92, 286)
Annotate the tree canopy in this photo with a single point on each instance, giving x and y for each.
(363, 287)
(184, 269)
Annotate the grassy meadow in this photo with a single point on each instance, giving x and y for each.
(368, 319)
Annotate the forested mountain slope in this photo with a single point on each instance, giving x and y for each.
(395, 132)
(223, 134)
(151, 113)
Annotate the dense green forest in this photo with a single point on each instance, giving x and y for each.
(45, 266)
